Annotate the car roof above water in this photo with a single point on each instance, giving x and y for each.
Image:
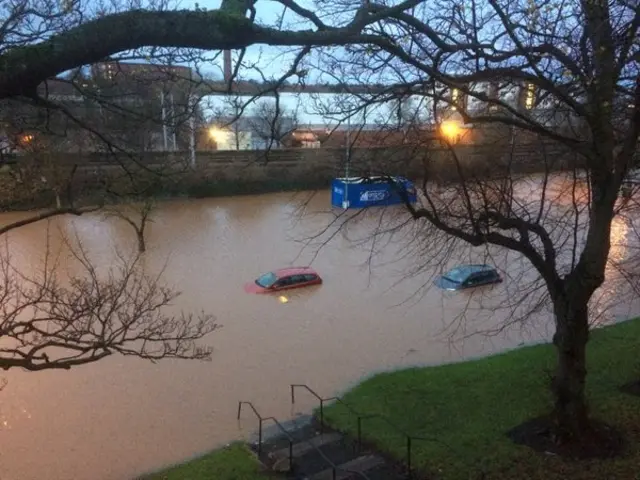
(472, 268)
(284, 272)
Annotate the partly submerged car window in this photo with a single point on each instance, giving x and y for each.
(457, 275)
(267, 280)
(490, 275)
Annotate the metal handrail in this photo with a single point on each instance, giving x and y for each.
(334, 468)
(409, 438)
(261, 421)
(321, 400)
(359, 418)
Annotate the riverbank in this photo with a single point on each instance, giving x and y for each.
(31, 182)
(234, 462)
(212, 188)
(467, 408)
(168, 189)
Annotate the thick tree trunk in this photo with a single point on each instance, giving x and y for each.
(142, 247)
(571, 337)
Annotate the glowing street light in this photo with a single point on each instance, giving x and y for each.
(217, 134)
(451, 130)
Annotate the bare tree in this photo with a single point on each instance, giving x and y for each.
(229, 122)
(578, 60)
(574, 73)
(272, 123)
(58, 321)
(113, 114)
(137, 215)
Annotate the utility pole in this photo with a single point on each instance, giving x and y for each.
(345, 202)
(173, 123)
(164, 120)
(192, 127)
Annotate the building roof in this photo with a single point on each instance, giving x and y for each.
(146, 71)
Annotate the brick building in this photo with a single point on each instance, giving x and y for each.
(139, 107)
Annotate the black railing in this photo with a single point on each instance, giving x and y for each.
(261, 421)
(359, 418)
(334, 468)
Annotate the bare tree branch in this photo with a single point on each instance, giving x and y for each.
(51, 323)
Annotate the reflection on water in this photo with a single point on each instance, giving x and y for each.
(619, 297)
(124, 416)
(619, 240)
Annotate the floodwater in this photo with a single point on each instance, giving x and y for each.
(123, 416)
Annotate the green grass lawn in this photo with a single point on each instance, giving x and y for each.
(235, 462)
(466, 409)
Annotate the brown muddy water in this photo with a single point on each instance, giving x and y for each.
(122, 416)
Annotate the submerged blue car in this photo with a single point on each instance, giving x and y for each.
(467, 276)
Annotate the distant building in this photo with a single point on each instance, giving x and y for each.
(112, 71)
(248, 133)
(230, 140)
(361, 136)
(163, 95)
(304, 139)
(137, 106)
(523, 97)
(160, 99)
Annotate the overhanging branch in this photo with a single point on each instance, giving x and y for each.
(23, 69)
(46, 215)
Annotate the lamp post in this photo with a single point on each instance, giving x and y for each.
(345, 200)
(164, 120)
(173, 124)
(193, 104)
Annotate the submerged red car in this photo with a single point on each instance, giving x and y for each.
(284, 279)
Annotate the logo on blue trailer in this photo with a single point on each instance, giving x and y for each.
(373, 196)
(338, 190)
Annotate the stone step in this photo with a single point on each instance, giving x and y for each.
(320, 459)
(305, 446)
(350, 469)
(274, 439)
(271, 431)
(385, 472)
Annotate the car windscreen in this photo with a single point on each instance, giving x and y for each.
(266, 280)
(457, 275)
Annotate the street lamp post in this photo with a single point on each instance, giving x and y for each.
(173, 124)
(164, 120)
(345, 201)
(193, 104)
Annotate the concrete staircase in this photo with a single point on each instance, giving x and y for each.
(317, 453)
